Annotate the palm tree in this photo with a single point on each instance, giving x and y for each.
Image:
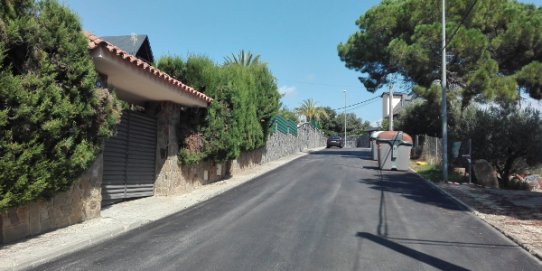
(311, 111)
(287, 113)
(243, 59)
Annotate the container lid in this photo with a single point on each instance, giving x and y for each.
(375, 134)
(405, 138)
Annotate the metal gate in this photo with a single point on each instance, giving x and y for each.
(129, 159)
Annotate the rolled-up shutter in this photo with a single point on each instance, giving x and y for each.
(129, 159)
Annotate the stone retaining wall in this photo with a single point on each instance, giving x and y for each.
(174, 179)
(280, 145)
(82, 201)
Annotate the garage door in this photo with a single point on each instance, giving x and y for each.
(129, 159)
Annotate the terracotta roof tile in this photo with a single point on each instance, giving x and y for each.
(94, 42)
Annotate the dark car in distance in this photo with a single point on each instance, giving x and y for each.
(335, 141)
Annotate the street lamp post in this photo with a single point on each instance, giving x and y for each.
(390, 105)
(443, 109)
(344, 117)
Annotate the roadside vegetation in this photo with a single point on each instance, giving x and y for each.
(245, 97)
(495, 57)
(433, 172)
(329, 121)
(52, 117)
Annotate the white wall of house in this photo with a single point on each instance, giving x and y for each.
(396, 102)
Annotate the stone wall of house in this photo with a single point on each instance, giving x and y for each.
(309, 137)
(280, 145)
(82, 201)
(167, 170)
(175, 179)
(171, 178)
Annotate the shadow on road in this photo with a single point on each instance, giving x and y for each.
(353, 152)
(448, 243)
(409, 186)
(425, 258)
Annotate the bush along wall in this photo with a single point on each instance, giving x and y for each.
(245, 97)
(52, 118)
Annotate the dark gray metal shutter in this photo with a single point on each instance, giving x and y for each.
(141, 156)
(129, 159)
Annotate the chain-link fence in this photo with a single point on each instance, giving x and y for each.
(429, 149)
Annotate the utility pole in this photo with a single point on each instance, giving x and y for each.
(344, 117)
(390, 102)
(443, 109)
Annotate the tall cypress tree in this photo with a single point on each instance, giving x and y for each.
(245, 98)
(52, 118)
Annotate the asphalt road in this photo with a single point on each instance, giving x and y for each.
(330, 210)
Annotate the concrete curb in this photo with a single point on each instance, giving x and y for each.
(57, 252)
(527, 247)
(117, 227)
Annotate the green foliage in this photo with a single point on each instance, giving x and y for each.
(188, 158)
(495, 52)
(334, 124)
(288, 114)
(311, 111)
(52, 119)
(245, 99)
(434, 173)
(508, 137)
(423, 116)
(243, 59)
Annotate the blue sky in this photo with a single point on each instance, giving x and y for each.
(298, 39)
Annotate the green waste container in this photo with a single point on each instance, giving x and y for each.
(394, 150)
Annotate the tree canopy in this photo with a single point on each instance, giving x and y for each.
(507, 136)
(52, 118)
(312, 112)
(334, 124)
(243, 59)
(245, 98)
(494, 47)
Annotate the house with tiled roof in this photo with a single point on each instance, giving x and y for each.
(136, 45)
(141, 159)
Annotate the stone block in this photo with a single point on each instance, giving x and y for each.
(34, 221)
(22, 214)
(43, 210)
(485, 173)
(534, 182)
(46, 225)
(459, 170)
(15, 232)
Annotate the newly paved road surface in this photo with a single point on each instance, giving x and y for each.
(330, 210)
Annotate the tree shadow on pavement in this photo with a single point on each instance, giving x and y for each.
(353, 152)
(411, 187)
(425, 258)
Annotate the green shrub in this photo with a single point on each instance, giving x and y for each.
(52, 119)
(245, 98)
(188, 158)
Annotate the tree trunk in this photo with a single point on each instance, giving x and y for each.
(507, 168)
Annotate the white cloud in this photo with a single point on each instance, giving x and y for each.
(287, 90)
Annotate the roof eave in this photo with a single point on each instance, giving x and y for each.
(134, 84)
(137, 81)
